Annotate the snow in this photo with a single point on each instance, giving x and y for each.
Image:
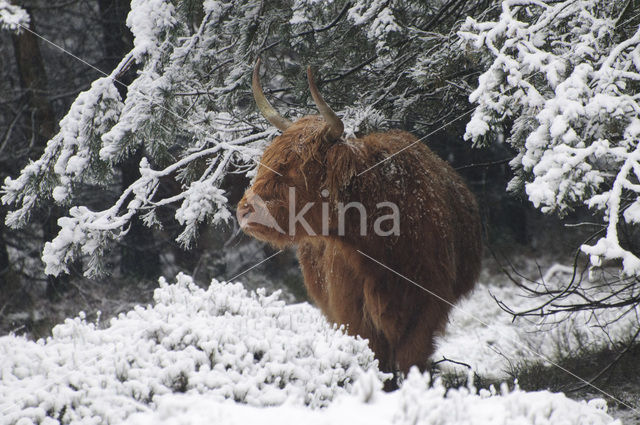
(378, 16)
(487, 338)
(223, 342)
(226, 355)
(415, 403)
(567, 83)
(201, 199)
(149, 20)
(69, 154)
(13, 17)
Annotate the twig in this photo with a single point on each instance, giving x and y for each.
(444, 359)
(485, 164)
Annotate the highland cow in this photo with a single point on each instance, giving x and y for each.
(394, 287)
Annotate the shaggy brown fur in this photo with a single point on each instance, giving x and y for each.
(439, 245)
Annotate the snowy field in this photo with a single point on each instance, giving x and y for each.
(554, 83)
(226, 355)
(485, 337)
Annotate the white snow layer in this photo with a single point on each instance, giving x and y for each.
(484, 336)
(13, 17)
(225, 355)
(224, 342)
(415, 403)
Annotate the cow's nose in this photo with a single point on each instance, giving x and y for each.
(244, 209)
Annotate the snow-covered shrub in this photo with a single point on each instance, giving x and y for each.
(565, 75)
(415, 403)
(420, 404)
(226, 355)
(225, 342)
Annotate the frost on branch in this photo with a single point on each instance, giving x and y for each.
(565, 77)
(185, 138)
(379, 16)
(12, 17)
(189, 110)
(70, 157)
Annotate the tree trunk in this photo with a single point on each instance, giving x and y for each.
(33, 78)
(118, 40)
(5, 265)
(140, 253)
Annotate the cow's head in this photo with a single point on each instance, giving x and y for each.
(294, 174)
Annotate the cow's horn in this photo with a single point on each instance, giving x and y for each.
(263, 104)
(336, 127)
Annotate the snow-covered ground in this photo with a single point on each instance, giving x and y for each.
(414, 403)
(226, 355)
(485, 337)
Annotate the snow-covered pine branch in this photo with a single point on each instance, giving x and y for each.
(183, 137)
(189, 112)
(12, 17)
(566, 78)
